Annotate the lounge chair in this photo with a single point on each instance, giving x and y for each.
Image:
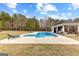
(11, 36)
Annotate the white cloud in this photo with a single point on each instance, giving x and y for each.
(39, 18)
(63, 17)
(45, 7)
(27, 16)
(39, 6)
(14, 11)
(75, 5)
(69, 14)
(25, 11)
(50, 7)
(63, 14)
(58, 17)
(54, 16)
(43, 12)
(69, 8)
(12, 5)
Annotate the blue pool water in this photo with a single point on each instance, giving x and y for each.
(40, 35)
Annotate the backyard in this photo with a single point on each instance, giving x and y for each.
(36, 49)
(18, 20)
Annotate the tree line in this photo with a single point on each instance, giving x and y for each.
(22, 23)
(17, 22)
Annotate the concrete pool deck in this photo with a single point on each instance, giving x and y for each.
(47, 40)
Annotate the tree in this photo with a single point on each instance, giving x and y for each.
(22, 20)
(48, 23)
(19, 21)
(41, 24)
(3, 18)
(32, 24)
(76, 19)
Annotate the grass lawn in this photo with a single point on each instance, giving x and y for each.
(3, 34)
(40, 49)
(73, 36)
(36, 49)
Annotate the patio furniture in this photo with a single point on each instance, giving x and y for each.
(11, 36)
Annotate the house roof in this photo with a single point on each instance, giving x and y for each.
(66, 23)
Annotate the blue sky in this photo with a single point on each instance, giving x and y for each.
(41, 10)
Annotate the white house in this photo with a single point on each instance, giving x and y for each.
(66, 27)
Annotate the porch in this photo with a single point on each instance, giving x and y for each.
(66, 28)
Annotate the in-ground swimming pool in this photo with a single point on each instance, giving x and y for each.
(40, 35)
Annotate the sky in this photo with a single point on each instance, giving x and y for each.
(43, 10)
